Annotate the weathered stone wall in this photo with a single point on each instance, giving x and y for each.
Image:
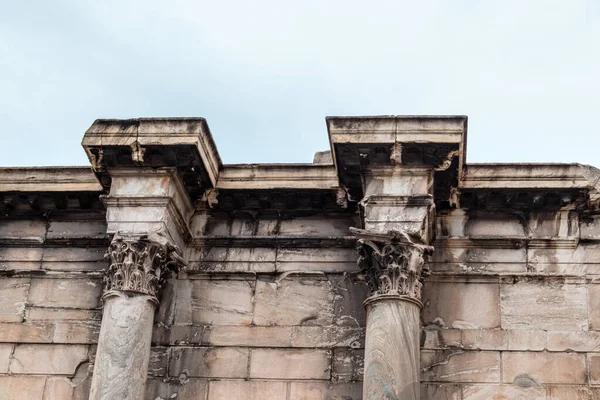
(265, 322)
(50, 288)
(509, 310)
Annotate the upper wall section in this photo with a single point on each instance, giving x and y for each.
(434, 145)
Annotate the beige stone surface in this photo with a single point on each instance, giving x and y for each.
(12, 301)
(290, 364)
(157, 389)
(544, 368)
(50, 359)
(544, 305)
(503, 392)
(218, 302)
(65, 292)
(215, 362)
(5, 352)
(594, 306)
(573, 393)
(247, 390)
(348, 365)
(444, 391)
(294, 302)
(460, 366)
(593, 364)
(587, 341)
(22, 387)
(27, 332)
(329, 391)
(58, 388)
(461, 305)
(32, 230)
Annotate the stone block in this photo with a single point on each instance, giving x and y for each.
(349, 295)
(5, 352)
(587, 341)
(590, 228)
(58, 388)
(66, 292)
(479, 255)
(348, 365)
(52, 314)
(316, 226)
(290, 364)
(77, 332)
(327, 337)
(247, 390)
(324, 260)
(584, 253)
(22, 387)
(187, 389)
(544, 305)
(13, 298)
(322, 390)
(432, 391)
(77, 229)
(69, 254)
(525, 339)
(496, 225)
(209, 362)
(159, 360)
(477, 268)
(503, 392)
(483, 339)
(294, 301)
(23, 229)
(249, 336)
(27, 332)
(593, 362)
(51, 359)
(218, 302)
(594, 306)
(573, 393)
(441, 338)
(460, 366)
(461, 305)
(33, 254)
(537, 368)
(239, 259)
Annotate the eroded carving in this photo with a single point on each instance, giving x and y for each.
(140, 265)
(392, 263)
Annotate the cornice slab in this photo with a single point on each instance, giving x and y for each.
(277, 176)
(49, 179)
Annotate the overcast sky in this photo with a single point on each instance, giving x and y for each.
(266, 73)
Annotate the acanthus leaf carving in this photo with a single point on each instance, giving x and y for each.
(140, 265)
(392, 263)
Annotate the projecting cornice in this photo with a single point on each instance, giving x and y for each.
(359, 146)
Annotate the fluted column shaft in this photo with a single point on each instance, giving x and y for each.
(133, 281)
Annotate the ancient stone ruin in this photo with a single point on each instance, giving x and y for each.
(387, 269)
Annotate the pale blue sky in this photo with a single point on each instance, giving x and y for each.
(266, 73)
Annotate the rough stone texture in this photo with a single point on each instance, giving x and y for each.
(247, 390)
(460, 366)
(47, 359)
(202, 362)
(290, 364)
(541, 305)
(123, 351)
(461, 305)
(541, 368)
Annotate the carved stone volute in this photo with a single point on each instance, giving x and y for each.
(393, 264)
(140, 265)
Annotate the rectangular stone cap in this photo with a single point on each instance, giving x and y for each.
(389, 129)
(48, 179)
(155, 132)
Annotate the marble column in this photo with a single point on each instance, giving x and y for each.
(393, 265)
(138, 268)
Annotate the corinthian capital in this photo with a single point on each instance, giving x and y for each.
(140, 265)
(392, 263)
